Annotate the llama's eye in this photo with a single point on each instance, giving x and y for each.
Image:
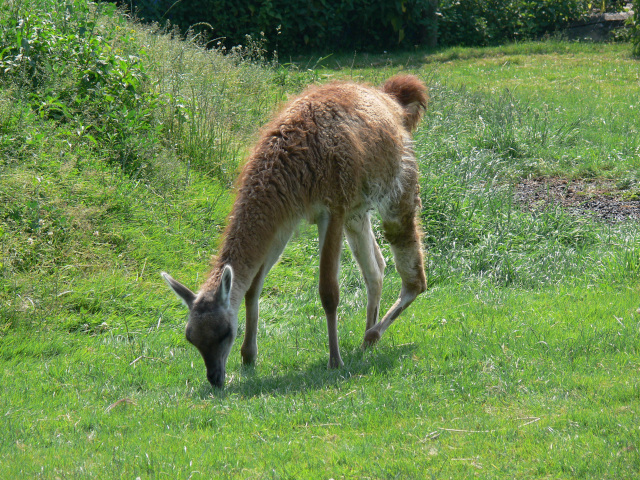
(224, 336)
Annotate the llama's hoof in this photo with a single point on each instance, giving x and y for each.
(371, 337)
(248, 357)
(335, 363)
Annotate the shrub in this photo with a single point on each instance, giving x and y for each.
(72, 67)
(291, 26)
(476, 22)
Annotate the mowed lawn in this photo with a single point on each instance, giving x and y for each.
(521, 361)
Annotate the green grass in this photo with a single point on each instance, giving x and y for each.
(504, 383)
(521, 361)
(529, 100)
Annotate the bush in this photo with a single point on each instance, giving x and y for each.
(69, 65)
(477, 22)
(294, 25)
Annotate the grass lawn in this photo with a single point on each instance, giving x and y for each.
(522, 360)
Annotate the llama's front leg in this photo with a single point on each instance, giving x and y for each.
(330, 233)
(249, 349)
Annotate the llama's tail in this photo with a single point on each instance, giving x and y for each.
(412, 94)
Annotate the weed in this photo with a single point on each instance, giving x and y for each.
(72, 64)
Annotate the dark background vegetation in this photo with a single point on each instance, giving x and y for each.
(301, 25)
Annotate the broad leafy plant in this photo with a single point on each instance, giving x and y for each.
(74, 63)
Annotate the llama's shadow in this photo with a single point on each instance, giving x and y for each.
(253, 382)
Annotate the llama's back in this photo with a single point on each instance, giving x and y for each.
(340, 144)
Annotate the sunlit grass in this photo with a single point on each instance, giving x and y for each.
(465, 381)
(521, 361)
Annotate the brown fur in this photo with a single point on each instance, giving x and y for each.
(331, 155)
(408, 92)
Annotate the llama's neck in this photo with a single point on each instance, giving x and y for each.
(253, 225)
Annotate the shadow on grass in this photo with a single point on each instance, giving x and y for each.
(357, 363)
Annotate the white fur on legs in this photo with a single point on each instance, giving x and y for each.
(367, 253)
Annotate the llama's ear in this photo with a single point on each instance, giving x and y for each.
(183, 293)
(226, 282)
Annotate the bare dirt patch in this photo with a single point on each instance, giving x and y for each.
(601, 200)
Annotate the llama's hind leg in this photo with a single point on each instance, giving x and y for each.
(367, 253)
(403, 234)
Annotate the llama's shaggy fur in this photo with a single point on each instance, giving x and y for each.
(332, 154)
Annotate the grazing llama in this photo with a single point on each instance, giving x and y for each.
(332, 155)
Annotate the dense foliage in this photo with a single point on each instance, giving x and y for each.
(635, 29)
(476, 22)
(70, 68)
(293, 25)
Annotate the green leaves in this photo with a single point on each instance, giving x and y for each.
(476, 22)
(635, 28)
(310, 25)
(76, 64)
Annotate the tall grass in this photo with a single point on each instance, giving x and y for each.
(471, 148)
(214, 100)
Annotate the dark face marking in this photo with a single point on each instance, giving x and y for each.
(210, 330)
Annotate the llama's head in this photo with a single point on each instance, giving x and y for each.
(212, 323)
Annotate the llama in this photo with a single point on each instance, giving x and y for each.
(331, 156)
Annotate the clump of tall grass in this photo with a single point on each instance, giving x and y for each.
(521, 139)
(471, 151)
(473, 229)
(214, 100)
